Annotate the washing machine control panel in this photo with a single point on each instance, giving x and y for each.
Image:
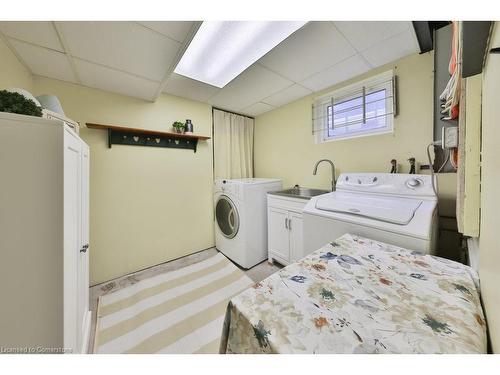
(414, 185)
(228, 187)
(360, 180)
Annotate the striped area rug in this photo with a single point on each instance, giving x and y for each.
(181, 311)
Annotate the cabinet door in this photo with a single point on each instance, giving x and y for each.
(83, 269)
(278, 235)
(72, 239)
(296, 239)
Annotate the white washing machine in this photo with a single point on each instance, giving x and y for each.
(241, 218)
(399, 209)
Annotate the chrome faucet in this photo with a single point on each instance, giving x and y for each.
(333, 171)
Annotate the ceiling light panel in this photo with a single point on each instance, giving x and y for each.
(221, 50)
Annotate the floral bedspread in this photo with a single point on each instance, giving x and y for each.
(357, 295)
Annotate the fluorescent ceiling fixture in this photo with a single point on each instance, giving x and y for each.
(221, 50)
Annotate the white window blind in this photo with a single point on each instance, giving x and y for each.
(365, 108)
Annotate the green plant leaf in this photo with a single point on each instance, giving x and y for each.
(14, 102)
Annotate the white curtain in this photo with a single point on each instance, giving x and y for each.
(233, 145)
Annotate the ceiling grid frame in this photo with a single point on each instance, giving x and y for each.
(6, 40)
(67, 50)
(185, 44)
(398, 39)
(352, 45)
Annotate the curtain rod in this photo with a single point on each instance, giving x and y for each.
(234, 113)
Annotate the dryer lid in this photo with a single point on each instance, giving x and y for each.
(392, 210)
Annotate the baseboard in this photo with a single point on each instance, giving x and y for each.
(146, 268)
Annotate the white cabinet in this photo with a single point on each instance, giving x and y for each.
(278, 234)
(83, 273)
(296, 239)
(44, 241)
(76, 242)
(285, 241)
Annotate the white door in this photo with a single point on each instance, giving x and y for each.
(296, 239)
(72, 239)
(278, 235)
(83, 269)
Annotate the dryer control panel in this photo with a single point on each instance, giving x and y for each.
(227, 187)
(396, 184)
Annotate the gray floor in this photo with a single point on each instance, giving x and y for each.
(257, 273)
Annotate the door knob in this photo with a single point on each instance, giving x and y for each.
(84, 248)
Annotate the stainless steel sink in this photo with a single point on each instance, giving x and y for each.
(300, 192)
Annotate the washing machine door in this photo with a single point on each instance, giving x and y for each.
(227, 216)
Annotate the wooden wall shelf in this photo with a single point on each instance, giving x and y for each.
(122, 135)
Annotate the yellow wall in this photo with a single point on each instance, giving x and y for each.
(147, 205)
(284, 146)
(12, 72)
(489, 240)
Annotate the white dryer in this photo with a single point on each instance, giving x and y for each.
(400, 209)
(241, 218)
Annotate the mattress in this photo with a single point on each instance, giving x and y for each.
(357, 295)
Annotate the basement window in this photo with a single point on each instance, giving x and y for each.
(364, 108)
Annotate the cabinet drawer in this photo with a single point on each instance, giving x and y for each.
(290, 204)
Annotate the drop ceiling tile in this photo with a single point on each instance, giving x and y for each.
(189, 88)
(287, 95)
(41, 33)
(125, 46)
(177, 30)
(340, 72)
(251, 86)
(101, 77)
(392, 49)
(315, 47)
(364, 34)
(44, 62)
(257, 109)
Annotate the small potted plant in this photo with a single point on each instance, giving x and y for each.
(179, 127)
